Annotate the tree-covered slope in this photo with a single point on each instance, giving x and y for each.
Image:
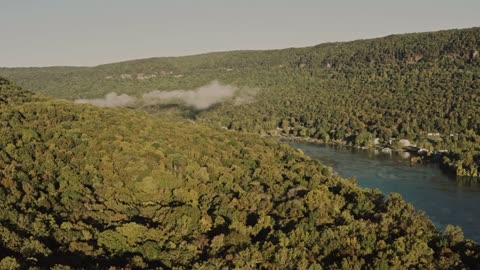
(87, 187)
(401, 86)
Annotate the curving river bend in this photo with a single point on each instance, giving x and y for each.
(445, 200)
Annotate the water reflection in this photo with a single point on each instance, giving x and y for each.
(445, 200)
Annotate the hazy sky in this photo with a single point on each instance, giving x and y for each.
(91, 32)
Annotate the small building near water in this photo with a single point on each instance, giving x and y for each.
(387, 150)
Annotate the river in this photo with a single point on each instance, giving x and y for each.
(444, 199)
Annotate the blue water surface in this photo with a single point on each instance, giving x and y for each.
(444, 199)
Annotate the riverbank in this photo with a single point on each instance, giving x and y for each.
(451, 163)
(415, 155)
(445, 199)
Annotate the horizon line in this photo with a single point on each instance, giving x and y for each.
(238, 50)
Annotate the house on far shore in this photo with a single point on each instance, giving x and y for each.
(404, 142)
(404, 155)
(422, 151)
(435, 134)
(387, 150)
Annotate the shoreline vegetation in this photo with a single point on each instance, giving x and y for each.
(416, 155)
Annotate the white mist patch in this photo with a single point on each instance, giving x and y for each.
(245, 96)
(111, 100)
(200, 99)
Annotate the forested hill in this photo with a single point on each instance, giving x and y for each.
(455, 47)
(88, 187)
(402, 86)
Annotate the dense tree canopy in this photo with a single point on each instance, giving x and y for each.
(401, 86)
(91, 187)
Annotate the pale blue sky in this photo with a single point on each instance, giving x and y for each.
(91, 32)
